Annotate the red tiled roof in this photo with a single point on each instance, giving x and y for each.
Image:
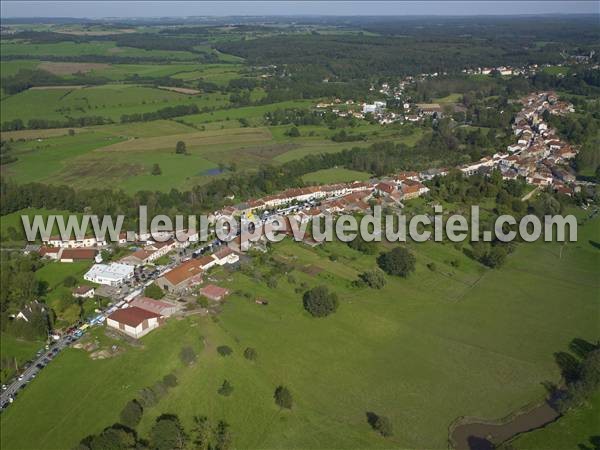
(142, 254)
(184, 271)
(132, 316)
(48, 250)
(205, 261)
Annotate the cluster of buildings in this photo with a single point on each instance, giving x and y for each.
(502, 70)
(540, 155)
(69, 255)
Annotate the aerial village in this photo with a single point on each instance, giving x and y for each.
(181, 265)
(410, 111)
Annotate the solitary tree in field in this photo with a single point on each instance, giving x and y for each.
(156, 169)
(398, 261)
(250, 354)
(180, 148)
(320, 302)
(381, 424)
(226, 389)
(283, 397)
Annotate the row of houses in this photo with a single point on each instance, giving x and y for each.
(179, 238)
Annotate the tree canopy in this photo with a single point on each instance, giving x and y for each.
(320, 302)
(398, 261)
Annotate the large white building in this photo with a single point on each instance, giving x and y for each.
(112, 274)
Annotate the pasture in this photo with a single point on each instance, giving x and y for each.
(409, 351)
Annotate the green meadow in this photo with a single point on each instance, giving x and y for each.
(410, 351)
(15, 350)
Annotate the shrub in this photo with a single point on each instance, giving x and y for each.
(180, 148)
(154, 291)
(170, 380)
(320, 302)
(226, 389)
(203, 301)
(373, 278)
(283, 397)
(224, 350)
(250, 354)
(187, 356)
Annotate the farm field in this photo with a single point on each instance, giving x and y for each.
(81, 160)
(107, 101)
(408, 351)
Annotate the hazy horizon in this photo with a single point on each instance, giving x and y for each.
(181, 9)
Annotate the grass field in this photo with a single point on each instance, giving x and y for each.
(335, 175)
(105, 48)
(110, 101)
(450, 98)
(15, 349)
(409, 351)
